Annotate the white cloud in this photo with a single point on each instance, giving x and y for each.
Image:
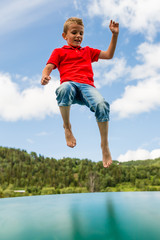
(107, 72)
(75, 4)
(138, 15)
(30, 141)
(41, 134)
(144, 96)
(33, 102)
(148, 54)
(18, 14)
(140, 97)
(139, 154)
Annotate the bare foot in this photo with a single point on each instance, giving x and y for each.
(107, 159)
(71, 141)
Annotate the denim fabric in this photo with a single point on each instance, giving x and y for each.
(72, 92)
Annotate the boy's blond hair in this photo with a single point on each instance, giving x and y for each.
(70, 21)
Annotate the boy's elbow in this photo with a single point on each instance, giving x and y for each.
(106, 55)
(50, 66)
(110, 57)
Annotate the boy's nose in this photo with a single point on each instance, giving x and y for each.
(78, 35)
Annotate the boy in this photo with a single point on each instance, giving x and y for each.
(77, 84)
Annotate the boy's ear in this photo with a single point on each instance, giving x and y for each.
(64, 35)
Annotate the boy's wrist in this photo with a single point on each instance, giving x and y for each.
(115, 34)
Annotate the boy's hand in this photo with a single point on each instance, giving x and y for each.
(114, 27)
(45, 80)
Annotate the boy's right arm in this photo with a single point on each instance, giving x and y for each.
(46, 73)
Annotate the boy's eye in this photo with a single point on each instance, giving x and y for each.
(74, 32)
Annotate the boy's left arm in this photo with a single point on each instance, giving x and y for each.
(114, 27)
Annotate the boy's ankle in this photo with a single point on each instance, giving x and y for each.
(68, 126)
(104, 144)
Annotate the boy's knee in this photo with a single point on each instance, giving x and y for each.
(63, 89)
(102, 111)
(65, 94)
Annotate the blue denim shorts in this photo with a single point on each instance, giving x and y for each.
(69, 93)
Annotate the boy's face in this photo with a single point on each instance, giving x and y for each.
(74, 35)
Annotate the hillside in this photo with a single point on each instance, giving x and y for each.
(36, 175)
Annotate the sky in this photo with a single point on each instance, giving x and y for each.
(130, 82)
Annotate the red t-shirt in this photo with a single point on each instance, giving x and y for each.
(74, 64)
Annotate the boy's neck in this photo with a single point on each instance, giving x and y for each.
(69, 46)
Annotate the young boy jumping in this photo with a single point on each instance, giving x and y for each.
(76, 80)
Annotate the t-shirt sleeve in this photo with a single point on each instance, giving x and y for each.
(54, 58)
(94, 53)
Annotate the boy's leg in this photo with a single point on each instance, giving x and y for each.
(93, 99)
(65, 113)
(65, 96)
(106, 155)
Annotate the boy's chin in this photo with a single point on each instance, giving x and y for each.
(75, 45)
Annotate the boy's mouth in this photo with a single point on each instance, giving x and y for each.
(77, 41)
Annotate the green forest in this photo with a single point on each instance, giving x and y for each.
(26, 174)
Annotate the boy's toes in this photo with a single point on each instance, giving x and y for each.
(71, 144)
(107, 164)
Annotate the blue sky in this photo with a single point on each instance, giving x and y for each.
(130, 82)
